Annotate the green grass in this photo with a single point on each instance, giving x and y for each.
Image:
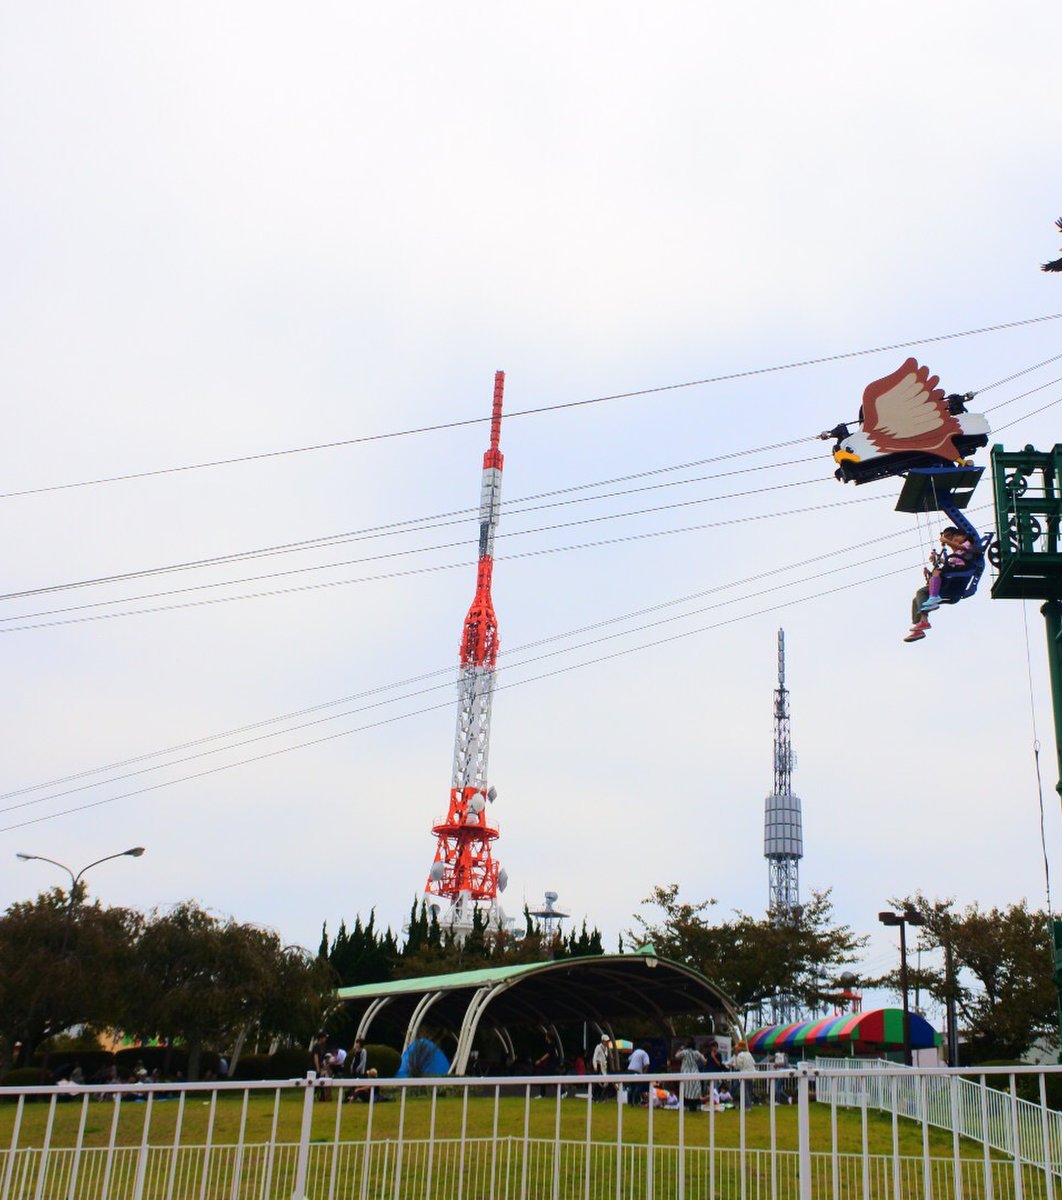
(450, 1116)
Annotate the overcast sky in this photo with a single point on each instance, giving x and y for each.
(234, 229)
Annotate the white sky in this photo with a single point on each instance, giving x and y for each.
(240, 228)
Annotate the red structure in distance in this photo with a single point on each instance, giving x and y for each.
(464, 871)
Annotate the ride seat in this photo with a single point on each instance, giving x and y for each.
(960, 585)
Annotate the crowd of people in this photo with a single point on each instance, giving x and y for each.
(336, 1063)
(694, 1094)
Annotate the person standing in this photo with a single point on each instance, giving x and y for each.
(357, 1060)
(690, 1062)
(549, 1063)
(599, 1063)
(319, 1063)
(637, 1065)
(743, 1061)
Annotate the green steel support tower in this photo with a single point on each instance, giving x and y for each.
(1028, 555)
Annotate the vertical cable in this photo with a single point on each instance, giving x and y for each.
(1036, 759)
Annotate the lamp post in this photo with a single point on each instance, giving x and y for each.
(134, 852)
(909, 916)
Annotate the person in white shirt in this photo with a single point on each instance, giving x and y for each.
(743, 1061)
(599, 1063)
(637, 1064)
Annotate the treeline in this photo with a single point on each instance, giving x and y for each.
(183, 976)
(366, 954)
(190, 979)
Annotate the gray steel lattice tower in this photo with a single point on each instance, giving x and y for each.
(783, 837)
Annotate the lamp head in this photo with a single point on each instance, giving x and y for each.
(135, 852)
(889, 918)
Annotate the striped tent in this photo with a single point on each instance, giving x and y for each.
(876, 1029)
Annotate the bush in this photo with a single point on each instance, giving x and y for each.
(253, 1066)
(24, 1077)
(62, 1062)
(168, 1059)
(288, 1063)
(384, 1058)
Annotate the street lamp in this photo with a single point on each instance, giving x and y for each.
(909, 916)
(134, 852)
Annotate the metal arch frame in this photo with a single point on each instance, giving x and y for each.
(470, 1023)
(369, 1015)
(417, 1015)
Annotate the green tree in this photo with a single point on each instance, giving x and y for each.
(62, 964)
(207, 982)
(752, 959)
(1003, 988)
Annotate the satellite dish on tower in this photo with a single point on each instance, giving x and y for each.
(437, 871)
(476, 802)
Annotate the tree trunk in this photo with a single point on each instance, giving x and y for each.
(195, 1047)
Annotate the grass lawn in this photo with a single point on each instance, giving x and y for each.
(415, 1119)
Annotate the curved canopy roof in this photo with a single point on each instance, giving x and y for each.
(878, 1028)
(600, 989)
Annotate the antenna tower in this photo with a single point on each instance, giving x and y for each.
(464, 871)
(783, 837)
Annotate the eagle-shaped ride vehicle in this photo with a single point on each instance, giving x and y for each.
(906, 421)
(907, 427)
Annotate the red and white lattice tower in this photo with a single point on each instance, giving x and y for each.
(464, 871)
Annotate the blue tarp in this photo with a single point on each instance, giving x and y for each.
(425, 1058)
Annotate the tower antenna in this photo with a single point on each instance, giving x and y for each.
(783, 836)
(464, 872)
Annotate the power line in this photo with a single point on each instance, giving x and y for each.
(413, 525)
(504, 656)
(819, 594)
(448, 684)
(526, 412)
(1025, 417)
(427, 549)
(414, 571)
(389, 554)
(1017, 375)
(1022, 395)
(439, 520)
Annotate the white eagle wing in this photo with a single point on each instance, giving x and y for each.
(908, 410)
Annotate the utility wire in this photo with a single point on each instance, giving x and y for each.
(1017, 375)
(817, 595)
(526, 412)
(448, 684)
(439, 520)
(420, 550)
(460, 544)
(449, 671)
(1026, 416)
(1022, 395)
(633, 537)
(413, 525)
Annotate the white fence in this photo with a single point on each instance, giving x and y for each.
(530, 1139)
(982, 1107)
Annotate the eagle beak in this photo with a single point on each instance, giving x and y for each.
(840, 456)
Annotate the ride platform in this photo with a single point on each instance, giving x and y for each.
(938, 489)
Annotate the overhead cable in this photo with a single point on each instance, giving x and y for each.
(526, 412)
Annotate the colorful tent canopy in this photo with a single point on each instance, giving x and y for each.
(878, 1028)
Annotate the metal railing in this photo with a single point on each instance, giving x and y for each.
(982, 1106)
(532, 1139)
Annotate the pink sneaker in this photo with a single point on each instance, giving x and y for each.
(916, 634)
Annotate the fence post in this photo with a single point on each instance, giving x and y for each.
(304, 1138)
(804, 1134)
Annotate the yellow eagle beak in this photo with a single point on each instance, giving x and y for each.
(845, 456)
